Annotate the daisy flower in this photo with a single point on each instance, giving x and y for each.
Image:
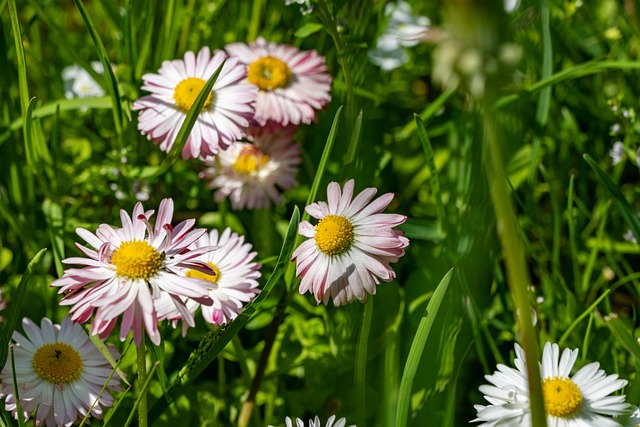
(634, 418)
(233, 282)
(224, 116)
(131, 267)
(60, 374)
(78, 83)
(583, 399)
(252, 175)
(350, 248)
(292, 84)
(316, 422)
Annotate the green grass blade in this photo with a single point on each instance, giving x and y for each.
(215, 341)
(627, 212)
(362, 351)
(55, 226)
(17, 299)
(417, 347)
(435, 181)
(16, 386)
(622, 334)
(112, 85)
(185, 129)
(326, 153)
(584, 314)
(428, 112)
(23, 89)
(27, 131)
(354, 142)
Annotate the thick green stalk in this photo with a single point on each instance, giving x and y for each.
(142, 379)
(517, 273)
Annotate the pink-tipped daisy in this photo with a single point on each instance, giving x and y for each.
(584, 399)
(60, 374)
(130, 268)
(224, 116)
(233, 283)
(351, 247)
(252, 175)
(292, 84)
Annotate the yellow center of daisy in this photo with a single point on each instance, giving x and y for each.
(334, 234)
(269, 73)
(249, 160)
(213, 278)
(57, 363)
(187, 91)
(137, 260)
(562, 397)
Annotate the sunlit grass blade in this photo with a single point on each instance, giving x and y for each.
(435, 181)
(417, 347)
(23, 89)
(27, 131)
(17, 299)
(627, 212)
(112, 83)
(55, 221)
(428, 112)
(354, 142)
(185, 129)
(16, 386)
(584, 314)
(215, 341)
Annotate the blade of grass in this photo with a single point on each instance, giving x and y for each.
(17, 299)
(112, 85)
(427, 113)
(55, 222)
(16, 386)
(622, 334)
(215, 341)
(362, 351)
(23, 89)
(185, 129)
(627, 212)
(417, 347)
(435, 181)
(584, 314)
(354, 142)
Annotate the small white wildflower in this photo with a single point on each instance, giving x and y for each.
(616, 152)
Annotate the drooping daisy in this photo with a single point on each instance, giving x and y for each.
(292, 84)
(224, 116)
(315, 422)
(233, 284)
(130, 268)
(252, 175)
(60, 374)
(351, 247)
(583, 399)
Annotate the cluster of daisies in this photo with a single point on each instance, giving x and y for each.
(245, 131)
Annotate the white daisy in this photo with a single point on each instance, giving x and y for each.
(315, 422)
(78, 83)
(59, 373)
(583, 399)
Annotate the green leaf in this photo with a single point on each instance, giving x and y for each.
(622, 334)
(55, 226)
(307, 29)
(417, 347)
(435, 182)
(17, 299)
(627, 212)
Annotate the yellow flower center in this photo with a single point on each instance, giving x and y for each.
(213, 278)
(269, 73)
(136, 260)
(249, 160)
(57, 363)
(562, 397)
(334, 234)
(187, 91)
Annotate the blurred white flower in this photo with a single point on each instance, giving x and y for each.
(404, 30)
(616, 152)
(511, 5)
(78, 83)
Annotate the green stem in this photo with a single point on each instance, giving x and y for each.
(142, 379)
(361, 364)
(517, 273)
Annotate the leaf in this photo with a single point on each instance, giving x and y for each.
(622, 334)
(307, 29)
(627, 212)
(435, 182)
(417, 347)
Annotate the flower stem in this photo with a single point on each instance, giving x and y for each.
(142, 379)
(517, 273)
(361, 364)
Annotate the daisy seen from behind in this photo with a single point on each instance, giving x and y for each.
(292, 84)
(60, 374)
(254, 174)
(349, 251)
(224, 116)
(232, 283)
(315, 422)
(129, 268)
(583, 399)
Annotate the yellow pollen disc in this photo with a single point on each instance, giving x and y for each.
(249, 160)
(187, 91)
(334, 234)
(562, 397)
(269, 73)
(136, 260)
(57, 363)
(213, 278)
